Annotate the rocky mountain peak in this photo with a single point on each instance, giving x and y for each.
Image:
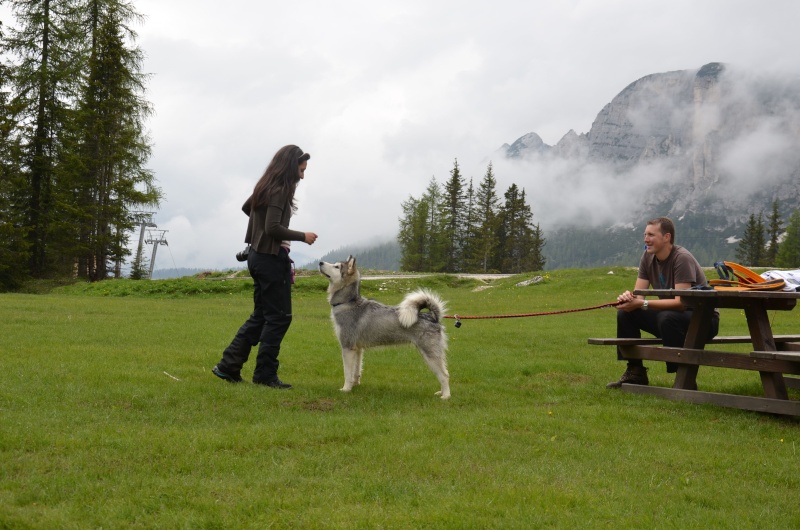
(707, 146)
(528, 144)
(694, 125)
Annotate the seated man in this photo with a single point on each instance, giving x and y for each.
(664, 265)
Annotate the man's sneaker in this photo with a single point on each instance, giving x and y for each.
(274, 383)
(634, 375)
(227, 377)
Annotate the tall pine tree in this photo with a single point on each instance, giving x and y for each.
(789, 251)
(46, 50)
(469, 228)
(436, 241)
(487, 237)
(113, 147)
(515, 233)
(486, 225)
(774, 230)
(537, 260)
(414, 235)
(13, 240)
(79, 111)
(453, 221)
(751, 247)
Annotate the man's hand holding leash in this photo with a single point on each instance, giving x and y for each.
(628, 302)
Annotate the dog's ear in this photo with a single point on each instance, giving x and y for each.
(351, 265)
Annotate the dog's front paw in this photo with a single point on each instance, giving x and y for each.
(443, 395)
(345, 389)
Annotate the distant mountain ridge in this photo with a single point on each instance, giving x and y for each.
(383, 256)
(707, 147)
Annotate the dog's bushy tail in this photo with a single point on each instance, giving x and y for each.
(418, 300)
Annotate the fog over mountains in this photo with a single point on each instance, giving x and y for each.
(707, 147)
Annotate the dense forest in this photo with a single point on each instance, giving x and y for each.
(74, 148)
(382, 256)
(459, 228)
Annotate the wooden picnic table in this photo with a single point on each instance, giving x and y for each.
(772, 357)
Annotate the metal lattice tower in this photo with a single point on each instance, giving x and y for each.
(155, 240)
(143, 220)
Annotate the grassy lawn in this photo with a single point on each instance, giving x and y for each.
(111, 418)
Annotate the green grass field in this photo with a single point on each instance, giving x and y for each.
(111, 418)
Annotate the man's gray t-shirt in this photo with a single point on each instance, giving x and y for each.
(679, 267)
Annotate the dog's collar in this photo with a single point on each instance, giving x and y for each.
(342, 303)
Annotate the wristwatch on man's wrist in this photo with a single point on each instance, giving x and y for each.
(644, 305)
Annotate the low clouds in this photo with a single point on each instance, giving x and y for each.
(763, 155)
(715, 138)
(573, 192)
(760, 158)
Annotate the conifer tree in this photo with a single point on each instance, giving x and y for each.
(486, 225)
(453, 221)
(469, 229)
(45, 47)
(514, 237)
(113, 147)
(537, 260)
(13, 241)
(78, 96)
(421, 232)
(774, 229)
(789, 251)
(751, 247)
(521, 242)
(502, 239)
(436, 243)
(414, 235)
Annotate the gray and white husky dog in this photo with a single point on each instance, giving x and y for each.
(362, 323)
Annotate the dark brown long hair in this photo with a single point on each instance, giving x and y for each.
(281, 176)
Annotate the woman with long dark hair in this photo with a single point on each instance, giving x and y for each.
(270, 208)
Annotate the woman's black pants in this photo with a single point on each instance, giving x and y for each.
(271, 317)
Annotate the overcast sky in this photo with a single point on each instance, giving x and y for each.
(385, 95)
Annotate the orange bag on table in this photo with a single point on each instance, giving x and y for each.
(735, 277)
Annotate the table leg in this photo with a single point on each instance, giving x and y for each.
(686, 377)
(774, 385)
(761, 334)
(759, 326)
(696, 337)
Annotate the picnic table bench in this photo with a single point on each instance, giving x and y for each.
(773, 356)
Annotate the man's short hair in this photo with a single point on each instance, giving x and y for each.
(666, 225)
